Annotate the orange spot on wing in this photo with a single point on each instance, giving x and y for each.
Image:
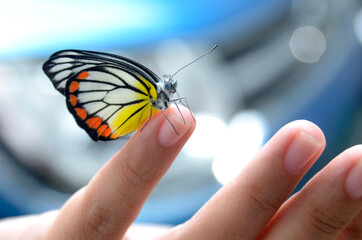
(114, 136)
(83, 75)
(106, 132)
(73, 99)
(94, 122)
(81, 112)
(101, 129)
(73, 86)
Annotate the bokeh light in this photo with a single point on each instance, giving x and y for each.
(243, 138)
(207, 137)
(357, 25)
(307, 44)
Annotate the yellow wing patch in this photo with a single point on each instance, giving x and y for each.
(130, 118)
(152, 90)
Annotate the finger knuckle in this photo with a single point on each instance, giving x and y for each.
(262, 199)
(325, 222)
(99, 221)
(139, 176)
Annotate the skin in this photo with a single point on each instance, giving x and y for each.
(255, 205)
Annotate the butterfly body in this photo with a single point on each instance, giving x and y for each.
(109, 96)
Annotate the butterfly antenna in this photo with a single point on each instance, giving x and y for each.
(212, 49)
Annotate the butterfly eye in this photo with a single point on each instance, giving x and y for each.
(171, 86)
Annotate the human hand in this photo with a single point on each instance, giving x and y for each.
(254, 205)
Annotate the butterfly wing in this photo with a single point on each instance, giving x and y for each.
(109, 102)
(108, 95)
(62, 65)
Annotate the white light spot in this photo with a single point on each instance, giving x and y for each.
(357, 25)
(307, 44)
(207, 137)
(243, 139)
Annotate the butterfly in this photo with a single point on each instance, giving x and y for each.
(110, 96)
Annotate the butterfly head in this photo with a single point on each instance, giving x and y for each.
(170, 85)
(165, 90)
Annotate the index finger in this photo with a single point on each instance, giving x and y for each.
(113, 198)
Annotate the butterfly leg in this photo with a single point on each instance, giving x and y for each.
(186, 104)
(170, 122)
(179, 111)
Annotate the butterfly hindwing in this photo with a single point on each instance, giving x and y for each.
(109, 101)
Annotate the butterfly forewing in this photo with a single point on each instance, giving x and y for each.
(63, 65)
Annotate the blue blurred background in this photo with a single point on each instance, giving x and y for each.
(277, 61)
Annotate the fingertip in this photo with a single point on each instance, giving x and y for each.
(354, 151)
(305, 143)
(308, 127)
(172, 130)
(353, 181)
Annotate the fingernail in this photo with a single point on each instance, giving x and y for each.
(167, 137)
(302, 149)
(353, 184)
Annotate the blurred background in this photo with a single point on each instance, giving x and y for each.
(277, 61)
